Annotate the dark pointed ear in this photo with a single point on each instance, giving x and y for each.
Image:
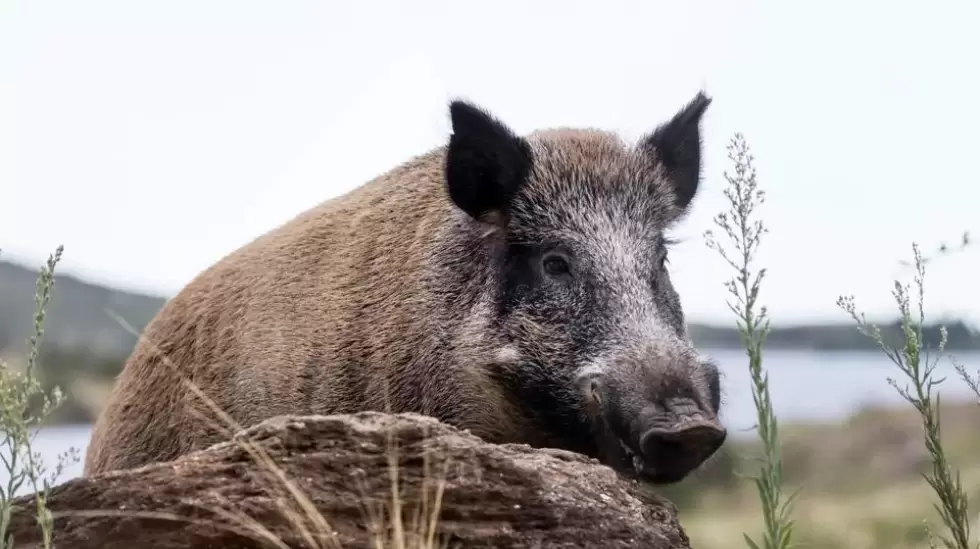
(486, 163)
(676, 145)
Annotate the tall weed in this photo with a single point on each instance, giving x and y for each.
(24, 405)
(914, 360)
(745, 233)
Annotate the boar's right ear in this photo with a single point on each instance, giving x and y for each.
(486, 163)
(676, 144)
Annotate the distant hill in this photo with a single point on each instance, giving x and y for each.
(75, 316)
(77, 320)
(837, 337)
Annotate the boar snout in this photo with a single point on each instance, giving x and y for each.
(659, 440)
(676, 441)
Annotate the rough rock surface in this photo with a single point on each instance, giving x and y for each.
(506, 496)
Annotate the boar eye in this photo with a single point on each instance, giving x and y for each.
(555, 264)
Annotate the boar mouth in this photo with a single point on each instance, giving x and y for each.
(615, 453)
(630, 464)
(639, 466)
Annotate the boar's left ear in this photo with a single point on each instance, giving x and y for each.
(676, 145)
(486, 163)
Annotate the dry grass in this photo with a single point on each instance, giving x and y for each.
(390, 527)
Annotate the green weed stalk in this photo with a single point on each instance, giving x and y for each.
(745, 234)
(24, 404)
(912, 357)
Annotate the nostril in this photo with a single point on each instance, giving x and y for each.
(687, 447)
(656, 444)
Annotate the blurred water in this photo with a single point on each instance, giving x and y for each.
(803, 385)
(825, 385)
(50, 442)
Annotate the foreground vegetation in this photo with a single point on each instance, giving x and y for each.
(24, 404)
(914, 356)
(860, 481)
(885, 478)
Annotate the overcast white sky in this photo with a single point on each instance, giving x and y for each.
(151, 138)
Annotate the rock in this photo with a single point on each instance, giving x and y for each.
(502, 496)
